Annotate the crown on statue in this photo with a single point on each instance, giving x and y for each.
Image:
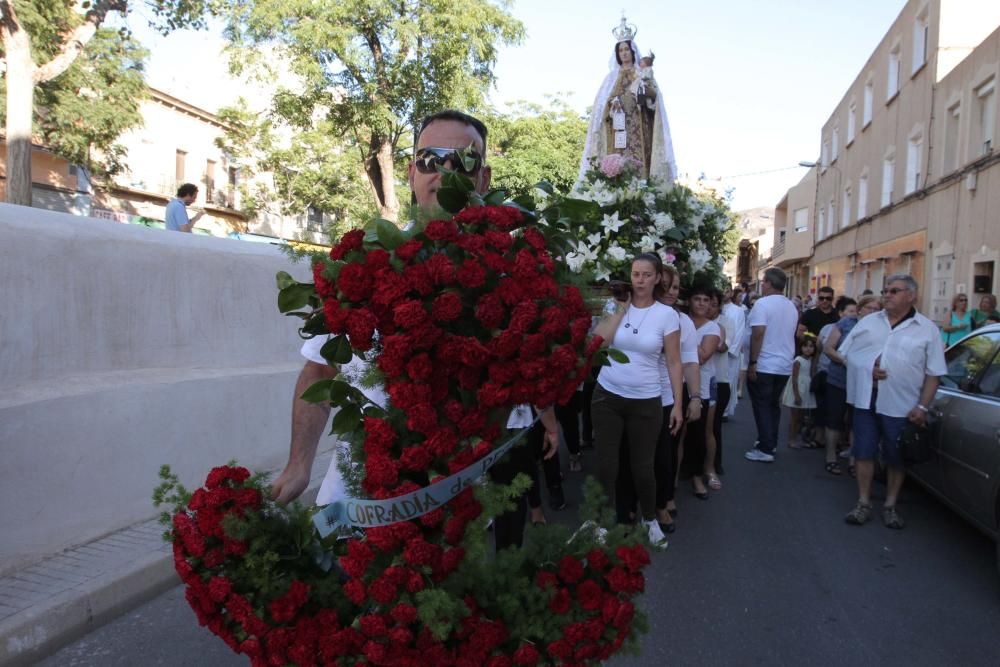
(625, 31)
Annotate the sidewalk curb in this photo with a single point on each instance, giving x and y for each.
(41, 630)
(68, 604)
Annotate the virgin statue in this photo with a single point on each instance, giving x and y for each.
(628, 116)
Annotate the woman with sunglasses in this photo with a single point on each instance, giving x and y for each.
(627, 398)
(959, 321)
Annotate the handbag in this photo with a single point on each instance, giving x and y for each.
(915, 444)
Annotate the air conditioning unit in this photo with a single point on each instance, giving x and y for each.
(971, 180)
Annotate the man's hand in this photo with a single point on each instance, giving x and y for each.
(798, 400)
(290, 484)
(752, 373)
(551, 444)
(878, 373)
(918, 417)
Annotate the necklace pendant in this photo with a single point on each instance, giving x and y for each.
(628, 326)
(635, 331)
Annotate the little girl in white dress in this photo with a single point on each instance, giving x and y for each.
(797, 397)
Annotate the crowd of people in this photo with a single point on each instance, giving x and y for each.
(852, 373)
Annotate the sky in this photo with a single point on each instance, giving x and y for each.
(747, 84)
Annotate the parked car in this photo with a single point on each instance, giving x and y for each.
(964, 470)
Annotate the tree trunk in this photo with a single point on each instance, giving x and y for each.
(20, 106)
(379, 168)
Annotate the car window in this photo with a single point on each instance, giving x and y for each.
(968, 359)
(990, 382)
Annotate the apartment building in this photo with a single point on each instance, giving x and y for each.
(907, 172)
(794, 221)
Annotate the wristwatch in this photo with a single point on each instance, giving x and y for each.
(922, 408)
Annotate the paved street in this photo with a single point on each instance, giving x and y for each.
(765, 572)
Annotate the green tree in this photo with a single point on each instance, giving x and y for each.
(318, 170)
(42, 40)
(372, 68)
(532, 143)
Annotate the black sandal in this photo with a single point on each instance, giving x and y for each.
(834, 468)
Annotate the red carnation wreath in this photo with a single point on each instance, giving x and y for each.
(463, 319)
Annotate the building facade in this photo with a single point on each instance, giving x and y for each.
(177, 143)
(794, 222)
(754, 252)
(907, 174)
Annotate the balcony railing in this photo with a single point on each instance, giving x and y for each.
(779, 249)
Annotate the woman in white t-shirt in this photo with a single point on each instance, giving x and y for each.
(627, 398)
(707, 333)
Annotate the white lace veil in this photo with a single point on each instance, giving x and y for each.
(662, 163)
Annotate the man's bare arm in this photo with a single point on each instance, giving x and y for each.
(308, 423)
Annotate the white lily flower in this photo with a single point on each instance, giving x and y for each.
(575, 261)
(648, 243)
(594, 239)
(611, 223)
(617, 253)
(662, 222)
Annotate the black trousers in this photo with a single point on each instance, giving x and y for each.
(664, 467)
(508, 528)
(569, 419)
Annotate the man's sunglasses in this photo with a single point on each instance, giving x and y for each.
(826, 298)
(466, 162)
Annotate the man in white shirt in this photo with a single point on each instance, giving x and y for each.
(773, 322)
(438, 133)
(733, 319)
(894, 360)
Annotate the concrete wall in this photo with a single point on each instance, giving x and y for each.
(123, 348)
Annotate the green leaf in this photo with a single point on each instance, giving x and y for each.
(618, 355)
(389, 235)
(545, 187)
(284, 280)
(579, 209)
(339, 390)
(346, 419)
(318, 392)
(315, 325)
(675, 234)
(526, 202)
(337, 350)
(452, 200)
(294, 296)
(495, 197)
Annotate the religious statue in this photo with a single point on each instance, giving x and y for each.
(628, 116)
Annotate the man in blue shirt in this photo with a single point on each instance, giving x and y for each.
(177, 217)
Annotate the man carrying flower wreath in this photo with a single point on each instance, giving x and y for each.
(441, 136)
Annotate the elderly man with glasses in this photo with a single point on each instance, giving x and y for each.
(894, 359)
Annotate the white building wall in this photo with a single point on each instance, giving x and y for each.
(125, 348)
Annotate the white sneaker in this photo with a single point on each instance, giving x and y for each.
(759, 456)
(656, 537)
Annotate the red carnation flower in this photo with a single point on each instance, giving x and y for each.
(447, 307)
(441, 230)
(634, 559)
(618, 580)
(590, 595)
(419, 279)
(409, 250)
(526, 655)
(490, 311)
(597, 559)
(410, 314)
(380, 471)
(361, 325)
(355, 282)
(219, 589)
(560, 604)
(570, 569)
(534, 238)
(452, 559)
(440, 268)
(404, 613)
(471, 274)
(383, 590)
(352, 240)
(419, 551)
(422, 418)
(560, 649)
(546, 580)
